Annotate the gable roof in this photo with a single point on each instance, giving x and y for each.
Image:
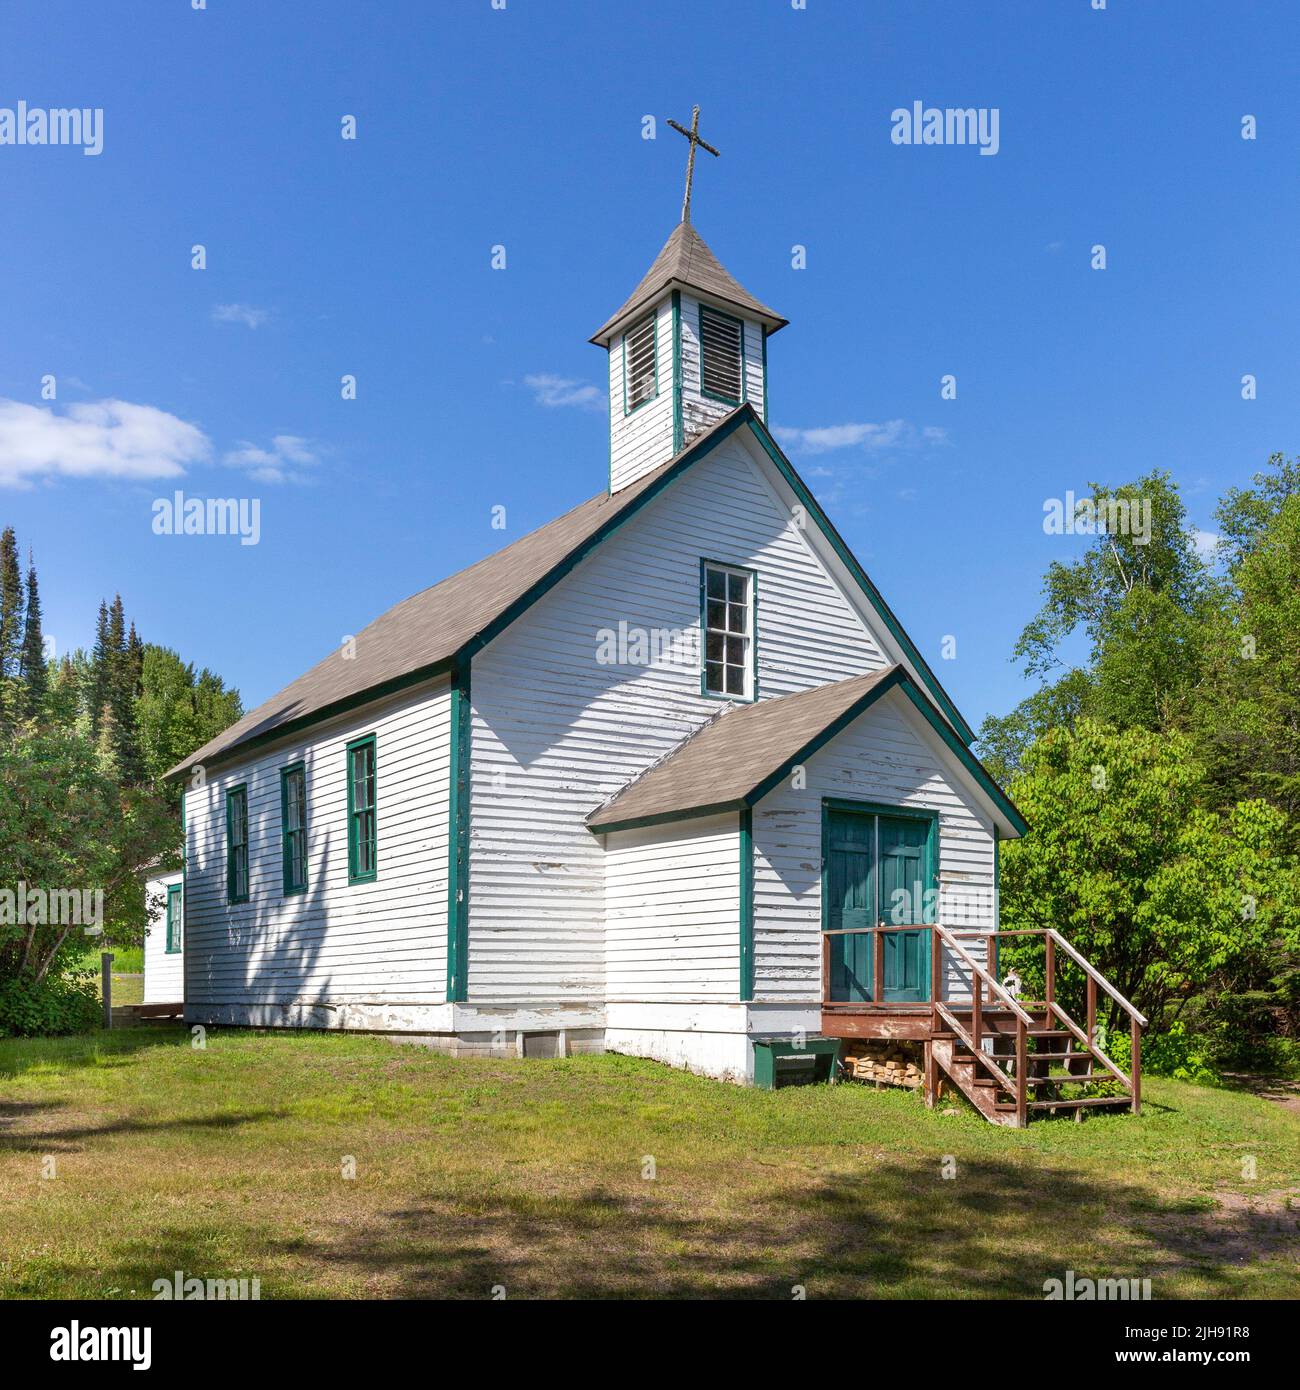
(737, 758)
(686, 262)
(432, 631)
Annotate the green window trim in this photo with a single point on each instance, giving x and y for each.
(740, 346)
(293, 828)
(238, 881)
(174, 927)
(363, 819)
(751, 694)
(652, 318)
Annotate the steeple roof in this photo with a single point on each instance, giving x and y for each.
(687, 263)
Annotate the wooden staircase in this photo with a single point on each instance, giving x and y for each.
(1015, 1058)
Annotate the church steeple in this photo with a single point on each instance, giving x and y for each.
(687, 347)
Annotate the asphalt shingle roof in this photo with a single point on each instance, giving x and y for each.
(686, 260)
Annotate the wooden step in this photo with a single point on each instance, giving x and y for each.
(1082, 1079)
(1065, 1104)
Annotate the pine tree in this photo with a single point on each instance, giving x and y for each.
(135, 662)
(101, 662)
(32, 668)
(123, 685)
(11, 605)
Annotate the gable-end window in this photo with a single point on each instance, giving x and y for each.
(173, 918)
(362, 840)
(721, 356)
(640, 365)
(727, 622)
(237, 845)
(293, 827)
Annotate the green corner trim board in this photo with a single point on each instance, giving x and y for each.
(458, 836)
(746, 905)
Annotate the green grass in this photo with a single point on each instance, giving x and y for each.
(127, 959)
(228, 1162)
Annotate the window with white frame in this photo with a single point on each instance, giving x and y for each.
(727, 620)
(640, 364)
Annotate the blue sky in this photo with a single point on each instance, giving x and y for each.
(522, 126)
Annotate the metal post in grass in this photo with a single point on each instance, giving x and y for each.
(106, 975)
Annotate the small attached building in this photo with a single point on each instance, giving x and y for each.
(164, 940)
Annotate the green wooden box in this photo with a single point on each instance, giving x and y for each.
(793, 1062)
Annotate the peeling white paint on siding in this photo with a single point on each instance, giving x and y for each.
(339, 944)
(698, 410)
(642, 440)
(672, 910)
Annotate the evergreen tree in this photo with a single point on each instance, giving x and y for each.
(178, 711)
(69, 678)
(121, 693)
(32, 667)
(101, 662)
(11, 605)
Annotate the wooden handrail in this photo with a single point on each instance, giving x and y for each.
(1095, 974)
(1000, 1000)
(1125, 1081)
(1008, 1001)
(980, 1055)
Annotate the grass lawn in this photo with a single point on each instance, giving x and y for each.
(229, 1162)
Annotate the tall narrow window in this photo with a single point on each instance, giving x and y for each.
(721, 356)
(640, 365)
(173, 918)
(293, 827)
(727, 619)
(362, 846)
(237, 845)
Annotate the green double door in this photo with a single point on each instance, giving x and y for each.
(879, 870)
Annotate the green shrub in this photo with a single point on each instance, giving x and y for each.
(47, 1008)
(1174, 1052)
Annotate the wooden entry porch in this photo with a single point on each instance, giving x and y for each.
(1010, 1056)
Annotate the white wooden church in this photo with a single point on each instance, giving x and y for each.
(642, 781)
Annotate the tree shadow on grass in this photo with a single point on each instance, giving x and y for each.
(893, 1229)
(74, 1138)
(106, 1047)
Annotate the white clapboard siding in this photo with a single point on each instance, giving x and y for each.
(672, 912)
(643, 439)
(555, 733)
(384, 941)
(886, 755)
(164, 979)
(698, 410)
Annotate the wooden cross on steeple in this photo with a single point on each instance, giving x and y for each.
(693, 135)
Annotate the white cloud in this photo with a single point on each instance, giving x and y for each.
(95, 439)
(1206, 543)
(825, 439)
(283, 462)
(550, 390)
(247, 314)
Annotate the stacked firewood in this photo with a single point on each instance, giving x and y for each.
(883, 1062)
